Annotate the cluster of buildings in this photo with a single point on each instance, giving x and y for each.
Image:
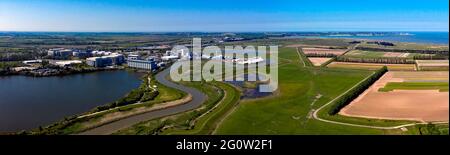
(149, 63)
(60, 53)
(93, 58)
(171, 55)
(63, 53)
(108, 60)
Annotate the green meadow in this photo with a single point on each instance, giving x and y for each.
(441, 86)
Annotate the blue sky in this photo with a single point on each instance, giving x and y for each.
(223, 15)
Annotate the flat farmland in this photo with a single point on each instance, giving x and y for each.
(419, 98)
(372, 66)
(377, 54)
(301, 90)
(318, 61)
(406, 46)
(430, 65)
(336, 52)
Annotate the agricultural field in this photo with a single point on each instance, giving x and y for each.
(372, 66)
(391, 86)
(416, 96)
(317, 61)
(406, 46)
(432, 65)
(323, 51)
(301, 90)
(378, 54)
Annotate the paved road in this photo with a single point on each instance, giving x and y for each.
(197, 100)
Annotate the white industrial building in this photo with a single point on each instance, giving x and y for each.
(109, 60)
(249, 60)
(142, 64)
(67, 63)
(59, 52)
(29, 62)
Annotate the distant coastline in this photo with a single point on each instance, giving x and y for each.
(440, 38)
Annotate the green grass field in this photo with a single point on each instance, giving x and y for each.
(441, 86)
(301, 90)
(375, 54)
(371, 66)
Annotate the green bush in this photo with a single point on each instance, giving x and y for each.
(149, 95)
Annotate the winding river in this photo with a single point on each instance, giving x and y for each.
(197, 100)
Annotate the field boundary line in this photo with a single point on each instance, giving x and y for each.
(315, 114)
(300, 57)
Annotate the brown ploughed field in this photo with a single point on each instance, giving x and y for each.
(318, 61)
(417, 105)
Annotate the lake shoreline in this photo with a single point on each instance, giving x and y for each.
(67, 95)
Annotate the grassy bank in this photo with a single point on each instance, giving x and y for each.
(208, 122)
(188, 121)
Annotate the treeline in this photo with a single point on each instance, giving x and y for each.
(355, 92)
(18, 56)
(430, 57)
(441, 52)
(328, 62)
(6, 68)
(142, 94)
(431, 129)
(323, 55)
(383, 43)
(376, 60)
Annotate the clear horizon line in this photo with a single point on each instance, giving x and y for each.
(217, 31)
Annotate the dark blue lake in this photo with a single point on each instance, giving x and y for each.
(30, 102)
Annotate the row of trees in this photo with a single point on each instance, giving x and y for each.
(376, 60)
(323, 55)
(355, 92)
(430, 57)
(17, 56)
(442, 52)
